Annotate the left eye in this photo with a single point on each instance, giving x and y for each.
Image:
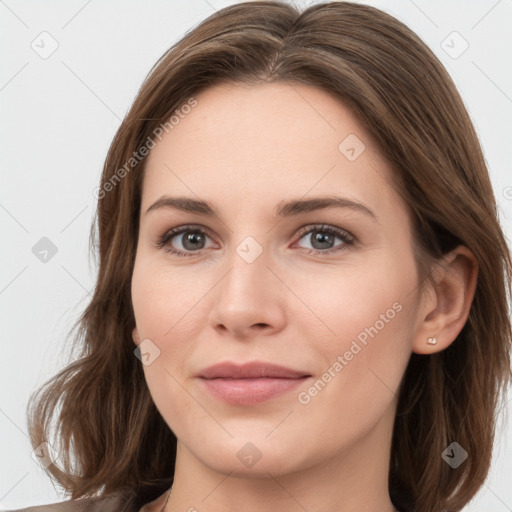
(322, 238)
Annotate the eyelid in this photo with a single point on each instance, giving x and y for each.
(171, 233)
(348, 238)
(340, 232)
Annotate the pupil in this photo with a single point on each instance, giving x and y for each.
(190, 241)
(324, 240)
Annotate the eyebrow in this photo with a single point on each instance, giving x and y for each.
(283, 208)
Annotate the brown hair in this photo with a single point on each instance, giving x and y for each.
(107, 425)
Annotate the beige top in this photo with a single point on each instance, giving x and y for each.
(105, 504)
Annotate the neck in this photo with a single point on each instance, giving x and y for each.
(353, 479)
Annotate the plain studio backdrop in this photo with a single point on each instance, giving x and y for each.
(69, 72)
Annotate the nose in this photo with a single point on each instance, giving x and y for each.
(249, 300)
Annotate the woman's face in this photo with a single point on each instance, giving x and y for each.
(274, 277)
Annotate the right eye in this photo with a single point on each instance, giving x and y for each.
(183, 241)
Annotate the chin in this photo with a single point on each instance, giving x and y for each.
(252, 456)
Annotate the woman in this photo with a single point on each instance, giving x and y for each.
(302, 295)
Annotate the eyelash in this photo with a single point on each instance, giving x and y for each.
(347, 238)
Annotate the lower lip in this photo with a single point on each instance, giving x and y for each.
(250, 391)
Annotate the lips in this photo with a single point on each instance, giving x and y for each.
(252, 370)
(250, 383)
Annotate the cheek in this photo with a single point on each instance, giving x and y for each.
(371, 310)
(163, 297)
(165, 320)
(348, 302)
(365, 316)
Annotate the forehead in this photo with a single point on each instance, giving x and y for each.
(261, 143)
(269, 119)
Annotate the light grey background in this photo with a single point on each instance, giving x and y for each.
(59, 115)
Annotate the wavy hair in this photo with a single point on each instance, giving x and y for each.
(105, 423)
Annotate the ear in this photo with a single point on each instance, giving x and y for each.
(135, 336)
(446, 303)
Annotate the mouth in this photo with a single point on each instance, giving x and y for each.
(250, 383)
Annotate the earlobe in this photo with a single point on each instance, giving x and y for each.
(432, 341)
(135, 336)
(449, 301)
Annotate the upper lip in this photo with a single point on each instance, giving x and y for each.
(250, 370)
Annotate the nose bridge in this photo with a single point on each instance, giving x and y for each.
(247, 279)
(248, 294)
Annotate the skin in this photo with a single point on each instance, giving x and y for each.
(245, 149)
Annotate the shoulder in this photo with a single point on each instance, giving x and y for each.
(102, 504)
(64, 506)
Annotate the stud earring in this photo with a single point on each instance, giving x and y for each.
(432, 341)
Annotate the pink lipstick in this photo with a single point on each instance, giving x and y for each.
(250, 383)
